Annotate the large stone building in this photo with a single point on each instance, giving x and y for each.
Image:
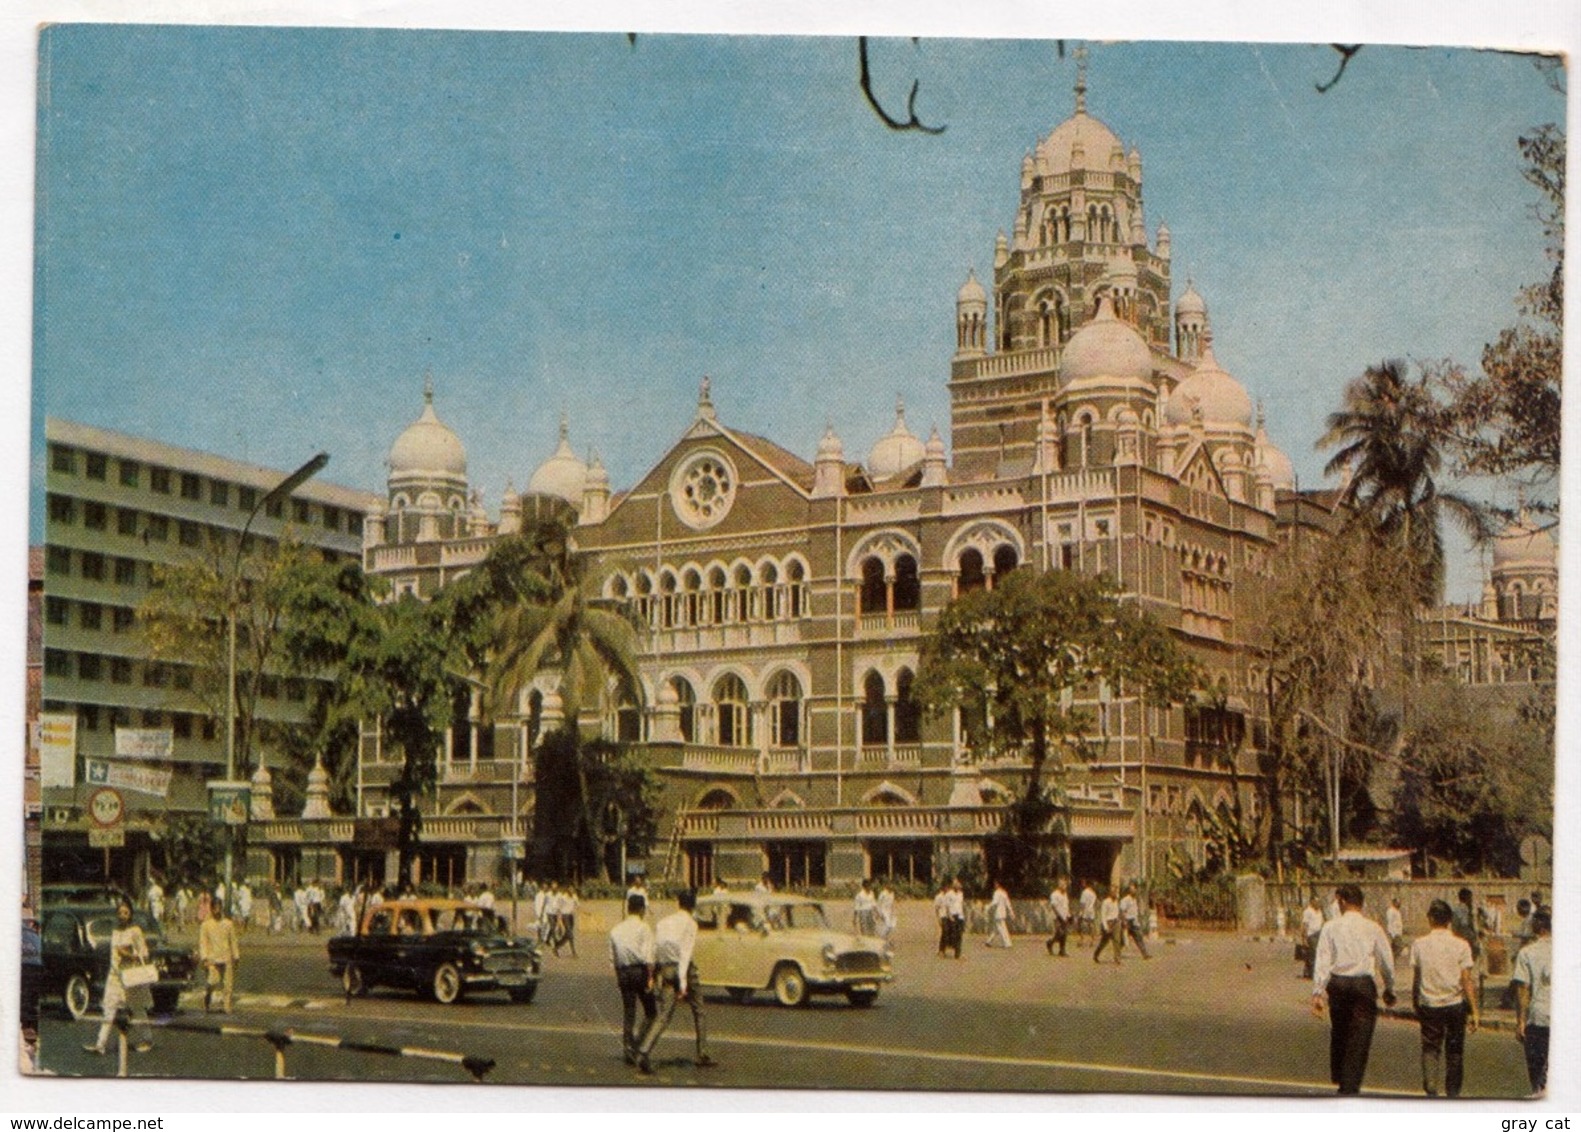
(784, 600)
(117, 507)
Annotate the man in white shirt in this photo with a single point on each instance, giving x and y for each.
(1444, 991)
(485, 898)
(1353, 953)
(1109, 928)
(1311, 925)
(1131, 920)
(540, 911)
(941, 912)
(1533, 978)
(955, 914)
(632, 951)
(999, 918)
(864, 911)
(1394, 925)
(674, 942)
(1059, 910)
(1087, 917)
(886, 912)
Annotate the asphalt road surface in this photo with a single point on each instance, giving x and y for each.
(1210, 1013)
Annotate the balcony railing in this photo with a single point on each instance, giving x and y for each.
(482, 771)
(720, 760)
(907, 621)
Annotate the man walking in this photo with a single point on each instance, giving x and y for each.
(1059, 912)
(218, 951)
(674, 941)
(1311, 925)
(955, 909)
(864, 911)
(941, 912)
(1533, 978)
(1088, 916)
(1131, 921)
(1353, 954)
(1394, 925)
(1109, 926)
(999, 912)
(632, 951)
(1444, 992)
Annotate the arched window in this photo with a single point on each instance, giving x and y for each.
(618, 588)
(873, 586)
(798, 582)
(692, 611)
(875, 712)
(1004, 560)
(908, 587)
(667, 600)
(717, 799)
(908, 712)
(1092, 224)
(686, 701)
(771, 602)
(1064, 216)
(730, 710)
(784, 697)
(971, 575)
(717, 598)
(644, 600)
(1047, 324)
(628, 718)
(744, 602)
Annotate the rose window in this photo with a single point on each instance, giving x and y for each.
(703, 490)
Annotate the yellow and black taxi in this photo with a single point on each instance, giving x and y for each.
(749, 942)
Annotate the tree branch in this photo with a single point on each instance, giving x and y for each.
(865, 81)
(1345, 54)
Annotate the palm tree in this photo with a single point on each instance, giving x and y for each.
(557, 623)
(1390, 445)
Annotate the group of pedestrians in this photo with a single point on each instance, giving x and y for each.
(1110, 920)
(1352, 963)
(654, 969)
(554, 909)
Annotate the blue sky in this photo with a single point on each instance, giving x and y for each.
(257, 241)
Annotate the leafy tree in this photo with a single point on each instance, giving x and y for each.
(600, 798)
(191, 848)
(1505, 421)
(1015, 658)
(1474, 779)
(1390, 443)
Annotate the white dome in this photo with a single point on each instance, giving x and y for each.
(1224, 400)
(428, 445)
(562, 474)
(1106, 347)
(897, 451)
(1191, 302)
(830, 448)
(1524, 544)
(1096, 140)
(971, 291)
(1281, 472)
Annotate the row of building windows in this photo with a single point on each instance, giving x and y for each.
(183, 725)
(66, 664)
(88, 615)
(92, 566)
(190, 486)
(715, 596)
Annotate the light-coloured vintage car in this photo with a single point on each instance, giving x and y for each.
(749, 942)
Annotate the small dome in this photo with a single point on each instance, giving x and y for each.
(897, 451)
(1524, 544)
(935, 445)
(1106, 347)
(562, 474)
(1224, 400)
(971, 291)
(1191, 302)
(428, 445)
(830, 448)
(597, 475)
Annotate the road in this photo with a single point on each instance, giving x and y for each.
(1211, 1013)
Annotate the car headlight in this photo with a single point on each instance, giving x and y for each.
(828, 955)
(478, 951)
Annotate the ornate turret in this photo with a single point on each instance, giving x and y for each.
(971, 317)
(317, 803)
(829, 466)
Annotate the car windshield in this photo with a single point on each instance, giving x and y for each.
(775, 917)
(100, 927)
(469, 920)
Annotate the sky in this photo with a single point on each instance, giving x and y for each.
(257, 242)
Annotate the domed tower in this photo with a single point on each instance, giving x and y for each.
(1525, 572)
(1080, 215)
(1212, 404)
(427, 480)
(563, 475)
(1191, 323)
(897, 450)
(1107, 368)
(971, 317)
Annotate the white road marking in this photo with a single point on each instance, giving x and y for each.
(911, 1054)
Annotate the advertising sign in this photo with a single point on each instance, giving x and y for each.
(107, 838)
(106, 807)
(144, 743)
(229, 802)
(143, 779)
(57, 750)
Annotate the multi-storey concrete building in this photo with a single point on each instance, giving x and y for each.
(117, 506)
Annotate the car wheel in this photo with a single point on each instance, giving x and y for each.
(861, 997)
(790, 986)
(353, 980)
(739, 994)
(78, 995)
(165, 1002)
(523, 995)
(447, 984)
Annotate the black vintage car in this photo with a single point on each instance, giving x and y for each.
(76, 949)
(443, 948)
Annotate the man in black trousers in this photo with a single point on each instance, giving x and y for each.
(1353, 955)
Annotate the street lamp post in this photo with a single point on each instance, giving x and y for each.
(280, 491)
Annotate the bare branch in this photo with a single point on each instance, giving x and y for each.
(1345, 54)
(865, 81)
